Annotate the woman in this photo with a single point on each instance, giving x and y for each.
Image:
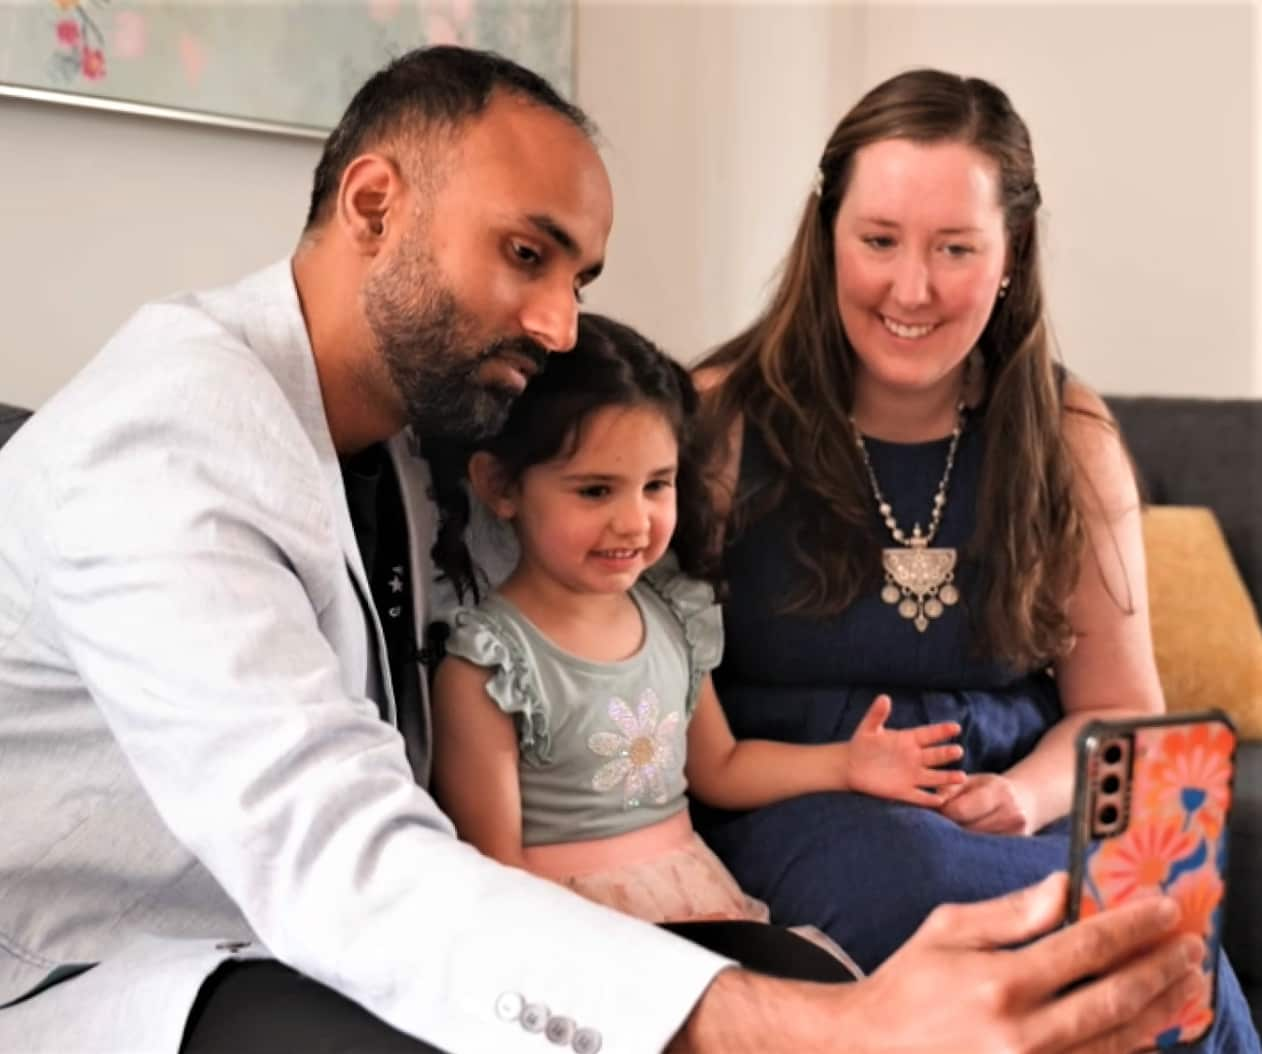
(921, 503)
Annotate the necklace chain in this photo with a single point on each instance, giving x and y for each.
(919, 580)
(939, 497)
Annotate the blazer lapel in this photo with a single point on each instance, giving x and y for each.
(412, 473)
(277, 331)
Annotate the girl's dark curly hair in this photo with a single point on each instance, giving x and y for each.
(611, 365)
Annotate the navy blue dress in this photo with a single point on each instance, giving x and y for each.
(867, 871)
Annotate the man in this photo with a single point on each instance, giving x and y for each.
(213, 743)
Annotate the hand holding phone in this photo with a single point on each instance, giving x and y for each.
(1151, 804)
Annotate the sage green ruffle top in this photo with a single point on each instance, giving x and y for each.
(602, 744)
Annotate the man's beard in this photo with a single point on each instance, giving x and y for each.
(428, 344)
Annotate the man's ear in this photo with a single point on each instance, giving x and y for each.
(369, 195)
(486, 478)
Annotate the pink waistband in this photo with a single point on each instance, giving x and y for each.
(564, 859)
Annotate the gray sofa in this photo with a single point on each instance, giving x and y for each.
(1188, 452)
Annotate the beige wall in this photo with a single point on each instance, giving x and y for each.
(100, 212)
(1144, 117)
(712, 115)
(1257, 192)
(1144, 121)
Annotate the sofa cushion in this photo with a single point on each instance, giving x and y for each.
(1205, 632)
(1202, 452)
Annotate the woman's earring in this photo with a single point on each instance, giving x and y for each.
(1004, 282)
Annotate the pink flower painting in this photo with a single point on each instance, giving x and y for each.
(79, 43)
(68, 34)
(130, 35)
(93, 63)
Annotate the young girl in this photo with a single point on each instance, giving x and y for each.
(575, 704)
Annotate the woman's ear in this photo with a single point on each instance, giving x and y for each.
(486, 477)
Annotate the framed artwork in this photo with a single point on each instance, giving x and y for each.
(287, 66)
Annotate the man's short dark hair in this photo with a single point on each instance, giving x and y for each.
(436, 86)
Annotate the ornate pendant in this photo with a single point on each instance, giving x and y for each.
(920, 580)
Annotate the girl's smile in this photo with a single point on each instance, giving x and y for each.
(592, 520)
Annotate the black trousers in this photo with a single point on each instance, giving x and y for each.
(263, 1007)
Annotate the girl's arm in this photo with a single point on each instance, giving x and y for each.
(475, 761)
(1111, 671)
(745, 774)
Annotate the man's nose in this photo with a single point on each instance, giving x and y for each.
(550, 315)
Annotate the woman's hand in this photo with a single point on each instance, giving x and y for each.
(991, 803)
(903, 765)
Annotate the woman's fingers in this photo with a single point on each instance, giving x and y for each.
(973, 801)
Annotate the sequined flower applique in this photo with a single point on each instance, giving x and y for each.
(643, 752)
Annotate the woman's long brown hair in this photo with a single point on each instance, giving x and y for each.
(791, 376)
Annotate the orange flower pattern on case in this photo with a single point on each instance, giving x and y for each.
(1191, 775)
(1173, 844)
(1140, 859)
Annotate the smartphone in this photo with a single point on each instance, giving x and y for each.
(1152, 799)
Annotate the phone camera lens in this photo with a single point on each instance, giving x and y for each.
(1112, 754)
(1108, 815)
(1110, 784)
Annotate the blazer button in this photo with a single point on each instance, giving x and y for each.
(508, 1006)
(534, 1018)
(560, 1030)
(586, 1041)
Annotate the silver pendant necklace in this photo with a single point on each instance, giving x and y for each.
(919, 577)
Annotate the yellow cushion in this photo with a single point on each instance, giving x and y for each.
(1205, 631)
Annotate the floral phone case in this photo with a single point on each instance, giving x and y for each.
(1151, 804)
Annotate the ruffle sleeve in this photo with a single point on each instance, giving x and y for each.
(692, 602)
(486, 641)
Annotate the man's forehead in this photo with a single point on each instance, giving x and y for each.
(516, 131)
(527, 162)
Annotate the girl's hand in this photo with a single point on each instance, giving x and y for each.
(991, 803)
(903, 765)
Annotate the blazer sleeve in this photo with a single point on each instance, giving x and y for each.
(192, 557)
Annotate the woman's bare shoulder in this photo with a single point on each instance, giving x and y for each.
(1095, 443)
(1081, 397)
(1088, 423)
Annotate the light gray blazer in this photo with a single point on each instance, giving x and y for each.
(188, 754)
